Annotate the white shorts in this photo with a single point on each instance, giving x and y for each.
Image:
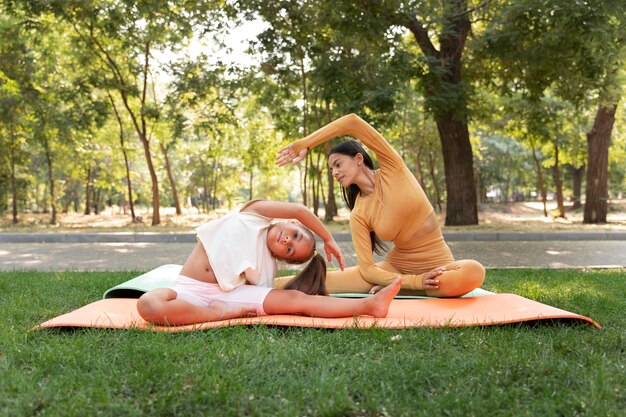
(201, 294)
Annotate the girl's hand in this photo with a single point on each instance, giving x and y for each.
(331, 248)
(288, 155)
(430, 280)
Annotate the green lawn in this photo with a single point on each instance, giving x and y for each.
(549, 369)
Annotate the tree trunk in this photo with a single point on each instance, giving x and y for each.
(559, 183)
(12, 178)
(126, 163)
(598, 142)
(331, 203)
(316, 182)
(214, 180)
(577, 183)
(97, 195)
(205, 187)
(251, 184)
(13, 191)
(156, 216)
(461, 207)
(88, 192)
(170, 176)
(540, 183)
(305, 130)
(53, 204)
(421, 140)
(431, 165)
(131, 203)
(304, 173)
(139, 123)
(445, 68)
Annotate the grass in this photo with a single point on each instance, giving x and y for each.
(549, 369)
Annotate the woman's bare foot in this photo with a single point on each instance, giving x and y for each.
(376, 288)
(225, 311)
(380, 302)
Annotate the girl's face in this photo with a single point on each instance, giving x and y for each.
(289, 242)
(345, 168)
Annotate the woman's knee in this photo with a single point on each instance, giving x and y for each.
(474, 272)
(460, 278)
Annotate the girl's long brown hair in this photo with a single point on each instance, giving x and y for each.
(312, 279)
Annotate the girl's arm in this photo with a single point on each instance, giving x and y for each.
(285, 210)
(351, 125)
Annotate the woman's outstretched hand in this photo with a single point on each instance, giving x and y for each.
(332, 249)
(288, 155)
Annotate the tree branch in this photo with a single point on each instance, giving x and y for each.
(421, 35)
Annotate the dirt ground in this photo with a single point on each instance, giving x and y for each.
(523, 216)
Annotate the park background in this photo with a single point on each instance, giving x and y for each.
(154, 116)
(126, 110)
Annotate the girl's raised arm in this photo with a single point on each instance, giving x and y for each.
(286, 210)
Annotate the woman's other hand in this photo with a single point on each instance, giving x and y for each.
(430, 280)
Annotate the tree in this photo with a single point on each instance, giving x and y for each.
(577, 50)
(123, 36)
(441, 41)
(446, 96)
(317, 69)
(122, 137)
(16, 65)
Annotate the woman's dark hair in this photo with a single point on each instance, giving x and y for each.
(351, 148)
(312, 279)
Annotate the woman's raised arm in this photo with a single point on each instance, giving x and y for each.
(351, 125)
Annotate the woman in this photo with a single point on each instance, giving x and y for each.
(386, 204)
(241, 248)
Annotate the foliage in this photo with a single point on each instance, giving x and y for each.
(533, 73)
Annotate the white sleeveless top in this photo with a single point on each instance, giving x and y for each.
(236, 246)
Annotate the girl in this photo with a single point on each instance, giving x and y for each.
(389, 204)
(230, 271)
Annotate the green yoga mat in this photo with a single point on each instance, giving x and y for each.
(165, 276)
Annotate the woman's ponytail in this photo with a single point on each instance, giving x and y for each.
(312, 279)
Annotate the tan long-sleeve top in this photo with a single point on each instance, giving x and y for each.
(394, 211)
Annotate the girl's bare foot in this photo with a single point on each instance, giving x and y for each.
(379, 306)
(225, 311)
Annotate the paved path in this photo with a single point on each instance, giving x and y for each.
(144, 251)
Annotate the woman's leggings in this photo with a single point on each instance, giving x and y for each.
(424, 255)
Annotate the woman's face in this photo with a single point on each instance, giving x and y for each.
(344, 168)
(289, 241)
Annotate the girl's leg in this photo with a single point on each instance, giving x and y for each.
(458, 278)
(160, 306)
(295, 302)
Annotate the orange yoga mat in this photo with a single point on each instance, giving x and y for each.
(121, 313)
